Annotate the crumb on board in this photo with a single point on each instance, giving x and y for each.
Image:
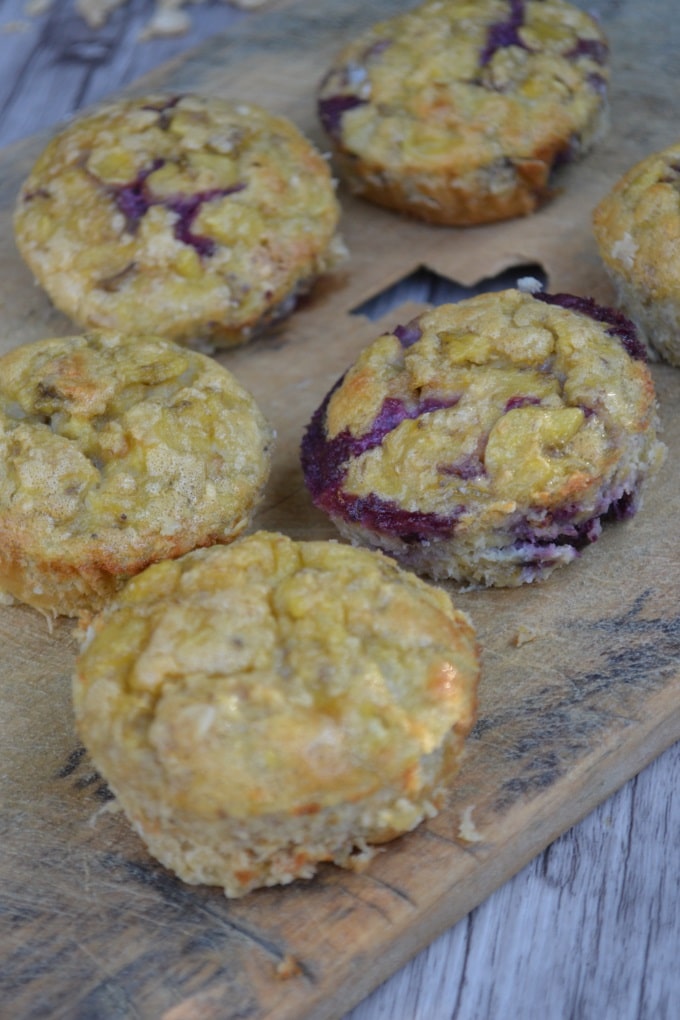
(167, 19)
(467, 830)
(96, 12)
(523, 635)
(362, 857)
(111, 807)
(288, 967)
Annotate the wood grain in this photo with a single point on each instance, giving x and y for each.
(54, 64)
(588, 929)
(97, 928)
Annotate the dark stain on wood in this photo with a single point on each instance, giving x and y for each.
(546, 731)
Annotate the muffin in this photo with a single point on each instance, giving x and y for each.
(637, 228)
(184, 216)
(458, 113)
(263, 707)
(488, 441)
(117, 451)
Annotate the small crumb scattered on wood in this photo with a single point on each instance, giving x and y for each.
(523, 636)
(288, 968)
(165, 22)
(112, 807)
(467, 830)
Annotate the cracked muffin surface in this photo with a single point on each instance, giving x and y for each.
(488, 441)
(194, 218)
(637, 229)
(458, 112)
(263, 707)
(115, 452)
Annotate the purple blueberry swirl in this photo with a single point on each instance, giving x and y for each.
(560, 536)
(385, 517)
(521, 401)
(134, 200)
(325, 463)
(409, 334)
(341, 84)
(465, 468)
(504, 33)
(332, 109)
(531, 540)
(187, 208)
(595, 49)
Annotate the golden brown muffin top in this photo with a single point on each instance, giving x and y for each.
(637, 226)
(114, 447)
(185, 216)
(457, 85)
(274, 676)
(497, 403)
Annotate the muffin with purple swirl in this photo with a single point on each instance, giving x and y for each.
(185, 216)
(459, 113)
(488, 441)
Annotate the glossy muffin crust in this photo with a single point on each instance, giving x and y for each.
(489, 440)
(459, 112)
(263, 707)
(637, 228)
(189, 217)
(115, 452)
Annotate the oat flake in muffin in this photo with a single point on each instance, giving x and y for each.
(185, 216)
(116, 452)
(637, 228)
(488, 441)
(459, 112)
(263, 707)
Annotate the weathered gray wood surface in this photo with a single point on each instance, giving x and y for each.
(55, 64)
(590, 928)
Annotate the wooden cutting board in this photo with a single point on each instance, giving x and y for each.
(581, 684)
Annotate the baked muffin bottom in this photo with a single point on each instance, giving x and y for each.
(637, 229)
(488, 441)
(277, 849)
(263, 707)
(459, 113)
(190, 217)
(117, 451)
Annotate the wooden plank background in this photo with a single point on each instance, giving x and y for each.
(99, 930)
(55, 62)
